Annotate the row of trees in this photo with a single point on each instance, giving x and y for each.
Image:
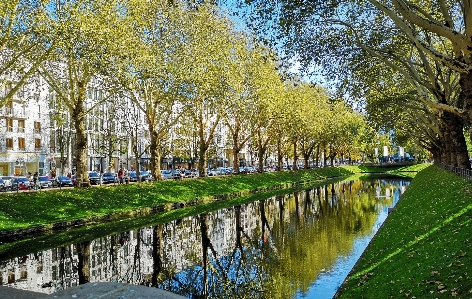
(184, 68)
(411, 61)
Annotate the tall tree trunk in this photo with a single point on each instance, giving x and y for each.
(78, 115)
(279, 155)
(306, 157)
(444, 140)
(155, 159)
(295, 156)
(465, 82)
(264, 221)
(236, 150)
(454, 151)
(156, 253)
(83, 265)
(202, 149)
(260, 156)
(202, 163)
(235, 161)
(239, 228)
(458, 146)
(324, 154)
(205, 246)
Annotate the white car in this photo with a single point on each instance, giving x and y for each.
(7, 181)
(166, 174)
(44, 182)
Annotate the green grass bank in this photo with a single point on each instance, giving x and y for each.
(424, 248)
(23, 210)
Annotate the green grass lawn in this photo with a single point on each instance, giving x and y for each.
(424, 249)
(25, 209)
(89, 232)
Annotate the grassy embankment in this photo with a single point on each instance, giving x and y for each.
(26, 209)
(424, 249)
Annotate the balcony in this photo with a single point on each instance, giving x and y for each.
(14, 113)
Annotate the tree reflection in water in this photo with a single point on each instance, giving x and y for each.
(293, 240)
(273, 248)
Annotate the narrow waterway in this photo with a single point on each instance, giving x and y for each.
(299, 245)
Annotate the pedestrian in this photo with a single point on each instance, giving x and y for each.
(121, 175)
(35, 180)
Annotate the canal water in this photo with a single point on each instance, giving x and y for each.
(298, 245)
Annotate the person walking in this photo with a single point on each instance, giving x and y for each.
(35, 181)
(121, 175)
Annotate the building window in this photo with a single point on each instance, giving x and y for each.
(21, 143)
(24, 274)
(37, 127)
(39, 268)
(37, 143)
(9, 107)
(11, 277)
(9, 125)
(9, 143)
(21, 126)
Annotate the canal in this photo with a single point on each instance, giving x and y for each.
(298, 245)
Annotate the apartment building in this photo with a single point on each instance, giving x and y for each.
(23, 133)
(38, 135)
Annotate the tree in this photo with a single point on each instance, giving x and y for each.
(254, 75)
(152, 71)
(268, 110)
(433, 35)
(306, 117)
(209, 52)
(107, 132)
(22, 50)
(81, 33)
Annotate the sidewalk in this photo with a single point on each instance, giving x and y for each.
(102, 290)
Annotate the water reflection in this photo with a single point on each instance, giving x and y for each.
(297, 245)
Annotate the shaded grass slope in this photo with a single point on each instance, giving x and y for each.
(424, 248)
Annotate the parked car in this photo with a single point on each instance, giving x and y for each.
(8, 180)
(21, 183)
(63, 181)
(212, 172)
(94, 178)
(132, 176)
(166, 174)
(3, 188)
(45, 182)
(146, 176)
(190, 173)
(177, 175)
(109, 178)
